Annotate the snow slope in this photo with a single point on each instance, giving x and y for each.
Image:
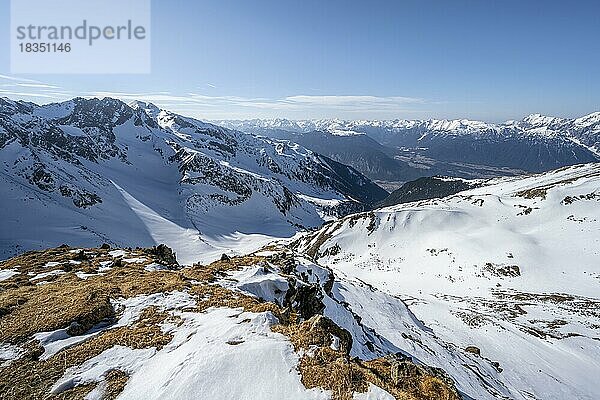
(200, 363)
(380, 324)
(512, 268)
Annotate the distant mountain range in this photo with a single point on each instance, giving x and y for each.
(403, 149)
(86, 166)
(88, 171)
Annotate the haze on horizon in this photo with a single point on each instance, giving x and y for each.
(353, 60)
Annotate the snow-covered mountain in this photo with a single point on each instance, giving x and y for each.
(88, 171)
(536, 143)
(584, 130)
(490, 293)
(509, 270)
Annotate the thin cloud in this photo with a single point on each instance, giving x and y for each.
(25, 94)
(17, 79)
(297, 106)
(32, 90)
(38, 85)
(337, 100)
(239, 107)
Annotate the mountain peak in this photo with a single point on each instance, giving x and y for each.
(588, 120)
(541, 120)
(149, 108)
(143, 105)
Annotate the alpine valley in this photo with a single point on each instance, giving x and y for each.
(149, 255)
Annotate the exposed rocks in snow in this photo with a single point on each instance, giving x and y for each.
(304, 298)
(423, 381)
(502, 270)
(97, 336)
(164, 254)
(328, 366)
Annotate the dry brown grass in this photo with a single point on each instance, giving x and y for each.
(219, 269)
(70, 302)
(114, 384)
(405, 379)
(30, 309)
(217, 296)
(26, 308)
(542, 191)
(333, 369)
(32, 378)
(77, 304)
(533, 193)
(321, 366)
(321, 237)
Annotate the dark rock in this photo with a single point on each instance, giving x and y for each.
(34, 350)
(164, 254)
(496, 366)
(306, 299)
(321, 329)
(84, 322)
(288, 266)
(404, 372)
(80, 256)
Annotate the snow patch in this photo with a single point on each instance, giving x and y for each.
(8, 353)
(95, 369)
(155, 267)
(259, 281)
(374, 393)
(222, 354)
(47, 274)
(7, 273)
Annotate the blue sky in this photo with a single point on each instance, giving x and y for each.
(489, 60)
